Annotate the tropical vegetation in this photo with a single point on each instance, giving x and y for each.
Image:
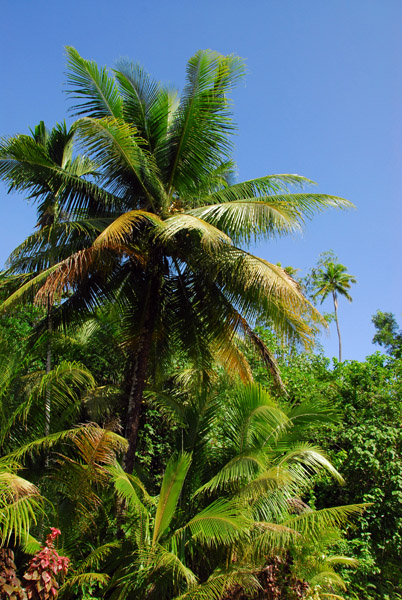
(161, 413)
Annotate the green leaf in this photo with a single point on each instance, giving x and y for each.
(173, 479)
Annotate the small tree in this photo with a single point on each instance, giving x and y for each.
(387, 334)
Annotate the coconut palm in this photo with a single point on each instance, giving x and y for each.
(333, 279)
(170, 223)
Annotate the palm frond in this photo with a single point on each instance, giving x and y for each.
(173, 479)
(237, 471)
(97, 557)
(20, 504)
(117, 146)
(312, 523)
(222, 581)
(198, 136)
(97, 93)
(140, 94)
(27, 289)
(122, 228)
(130, 488)
(311, 457)
(211, 237)
(117, 443)
(269, 539)
(101, 579)
(222, 522)
(346, 561)
(328, 578)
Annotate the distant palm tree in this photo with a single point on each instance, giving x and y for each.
(333, 279)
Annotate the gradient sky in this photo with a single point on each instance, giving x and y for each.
(322, 98)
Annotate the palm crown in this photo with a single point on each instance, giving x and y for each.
(156, 228)
(333, 279)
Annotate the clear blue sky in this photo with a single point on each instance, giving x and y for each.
(323, 98)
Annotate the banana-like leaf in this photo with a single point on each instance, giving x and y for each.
(173, 479)
(130, 488)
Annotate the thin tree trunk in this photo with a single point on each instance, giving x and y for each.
(337, 324)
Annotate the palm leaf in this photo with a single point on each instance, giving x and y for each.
(97, 556)
(140, 94)
(311, 457)
(312, 523)
(101, 579)
(198, 137)
(173, 479)
(240, 468)
(118, 443)
(121, 230)
(20, 504)
(130, 488)
(222, 581)
(97, 92)
(116, 145)
(222, 522)
(211, 237)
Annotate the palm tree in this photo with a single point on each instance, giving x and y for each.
(333, 279)
(170, 223)
(54, 148)
(233, 494)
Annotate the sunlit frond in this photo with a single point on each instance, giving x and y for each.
(222, 581)
(311, 457)
(123, 228)
(20, 505)
(173, 479)
(198, 137)
(211, 237)
(313, 522)
(96, 91)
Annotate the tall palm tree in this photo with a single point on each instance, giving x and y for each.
(170, 223)
(333, 279)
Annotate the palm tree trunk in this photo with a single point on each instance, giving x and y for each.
(48, 364)
(135, 398)
(337, 324)
(140, 370)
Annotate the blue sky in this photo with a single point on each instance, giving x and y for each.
(322, 98)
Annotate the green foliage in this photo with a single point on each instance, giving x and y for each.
(387, 334)
(146, 299)
(365, 445)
